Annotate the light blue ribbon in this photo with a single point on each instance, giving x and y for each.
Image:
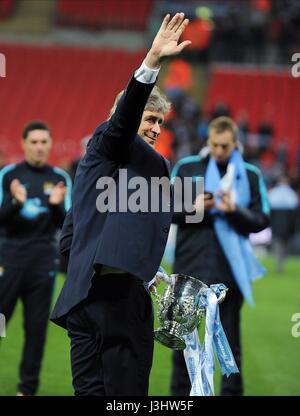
(200, 359)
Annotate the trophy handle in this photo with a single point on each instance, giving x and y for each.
(155, 295)
(153, 291)
(220, 290)
(170, 280)
(222, 296)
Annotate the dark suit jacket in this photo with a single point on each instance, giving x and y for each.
(132, 242)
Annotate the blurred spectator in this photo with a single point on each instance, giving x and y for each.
(253, 31)
(183, 121)
(164, 144)
(183, 137)
(220, 109)
(242, 122)
(282, 152)
(265, 132)
(178, 79)
(294, 175)
(202, 130)
(199, 31)
(259, 29)
(230, 36)
(283, 203)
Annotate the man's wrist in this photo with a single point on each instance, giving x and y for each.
(54, 203)
(145, 74)
(152, 60)
(232, 209)
(17, 203)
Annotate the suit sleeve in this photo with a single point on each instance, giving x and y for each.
(117, 137)
(257, 216)
(66, 236)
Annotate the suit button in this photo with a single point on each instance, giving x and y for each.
(166, 229)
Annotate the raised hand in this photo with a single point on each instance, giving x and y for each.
(166, 40)
(18, 191)
(58, 194)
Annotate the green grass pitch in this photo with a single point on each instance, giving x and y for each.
(271, 355)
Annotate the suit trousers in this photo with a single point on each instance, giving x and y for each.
(230, 318)
(112, 338)
(34, 288)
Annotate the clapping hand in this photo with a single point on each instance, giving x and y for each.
(18, 191)
(58, 193)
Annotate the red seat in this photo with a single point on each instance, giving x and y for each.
(113, 14)
(6, 8)
(72, 89)
(274, 95)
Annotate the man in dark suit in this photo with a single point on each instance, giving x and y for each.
(112, 255)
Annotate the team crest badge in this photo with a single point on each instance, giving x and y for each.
(48, 186)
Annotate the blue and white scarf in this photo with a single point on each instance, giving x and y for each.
(237, 249)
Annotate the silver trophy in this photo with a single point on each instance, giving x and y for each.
(179, 309)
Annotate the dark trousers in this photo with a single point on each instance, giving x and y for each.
(34, 288)
(230, 318)
(111, 335)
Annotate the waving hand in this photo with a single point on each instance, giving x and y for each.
(166, 41)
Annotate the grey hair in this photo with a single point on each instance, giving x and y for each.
(157, 102)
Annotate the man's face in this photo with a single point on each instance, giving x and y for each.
(149, 129)
(221, 145)
(37, 146)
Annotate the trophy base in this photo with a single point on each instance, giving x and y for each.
(169, 340)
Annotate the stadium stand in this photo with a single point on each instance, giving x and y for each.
(112, 14)
(6, 8)
(263, 94)
(72, 89)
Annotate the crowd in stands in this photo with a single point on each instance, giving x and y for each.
(188, 123)
(249, 31)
